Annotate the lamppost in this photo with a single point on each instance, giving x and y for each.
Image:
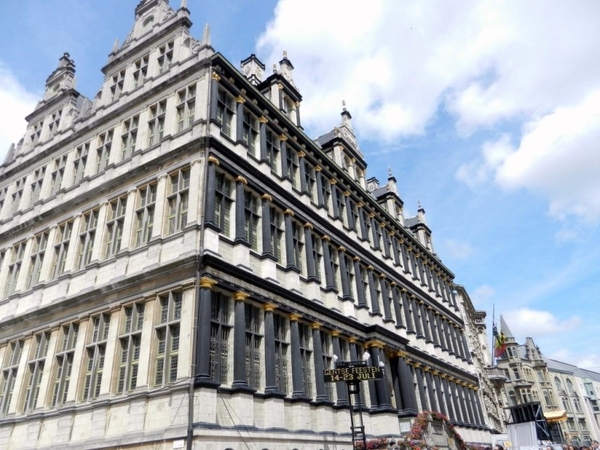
(352, 373)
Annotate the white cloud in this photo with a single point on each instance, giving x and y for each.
(558, 158)
(458, 250)
(16, 103)
(398, 63)
(525, 322)
(395, 62)
(482, 295)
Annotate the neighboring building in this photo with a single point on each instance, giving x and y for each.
(578, 397)
(179, 263)
(567, 394)
(492, 379)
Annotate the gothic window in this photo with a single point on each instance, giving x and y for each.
(116, 87)
(144, 214)
(281, 353)
(54, 122)
(253, 346)
(86, 238)
(38, 251)
(167, 338)
(58, 174)
(36, 370)
(129, 137)
(219, 337)
(94, 357)
(61, 247)
(178, 200)
(18, 195)
(130, 347)
(103, 150)
(80, 161)
(272, 151)
(64, 364)
(310, 176)
(140, 71)
(293, 166)
(114, 226)
(298, 243)
(277, 233)
(223, 203)
(165, 57)
(9, 375)
(36, 185)
(186, 107)
(14, 268)
(156, 122)
(306, 358)
(225, 112)
(317, 249)
(36, 133)
(250, 132)
(252, 219)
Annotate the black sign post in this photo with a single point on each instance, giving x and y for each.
(352, 373)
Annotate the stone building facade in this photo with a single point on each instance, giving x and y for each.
(179, 263)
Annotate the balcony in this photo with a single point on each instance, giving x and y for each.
(522, 383)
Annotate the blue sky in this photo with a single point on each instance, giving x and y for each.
(488, 113)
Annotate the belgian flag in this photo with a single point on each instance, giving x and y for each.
(499, 343)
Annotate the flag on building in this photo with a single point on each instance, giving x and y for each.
(499, 343)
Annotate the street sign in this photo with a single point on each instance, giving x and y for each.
(350, 373)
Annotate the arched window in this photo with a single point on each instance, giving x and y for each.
(558, 384)
(569, 386)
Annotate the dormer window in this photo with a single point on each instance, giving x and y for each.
(147, 23)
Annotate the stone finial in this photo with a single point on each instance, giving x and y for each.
(116, 45)
(206, 35)
(183, 4)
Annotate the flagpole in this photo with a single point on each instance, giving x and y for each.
(493, 334)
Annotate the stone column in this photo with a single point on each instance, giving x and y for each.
(320, 197)
(267, 245)
(346, 291)
(263, 138)
(239, 118)
(297, 385)
(349, 216)
(439, 393)
(340, 388)
(410, 329)
(421, 387)
(432, 392)
(240, 212)
(373, 291)
(204, 309)
(385, 298)
(290, 257)
(397, 306)
(409, 397)
(311, 268)
(318, 361)
(449, 400)
(327, 257)
(210, 191)
(360, 287)
(363, 222)
(239, 342)
(270, 365)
